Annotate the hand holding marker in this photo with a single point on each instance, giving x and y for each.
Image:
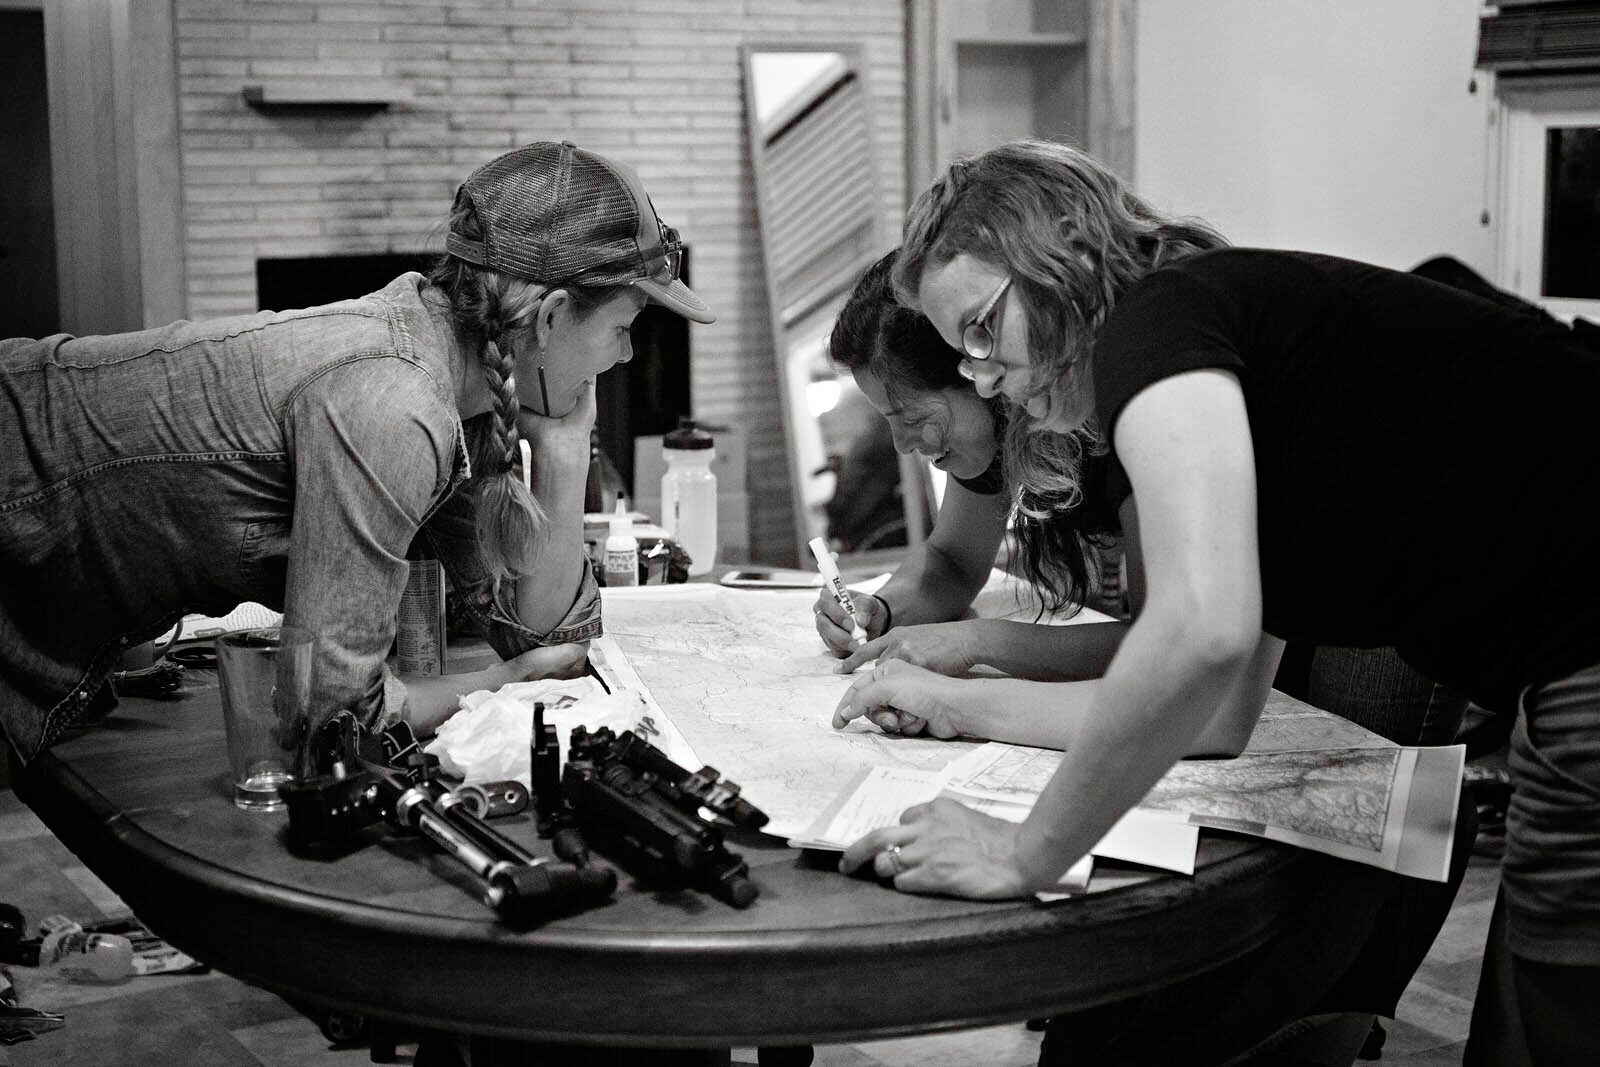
(830, 574)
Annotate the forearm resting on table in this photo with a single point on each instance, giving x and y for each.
(1047, 653)
(931, 586)
(1021, 712)
(1150, 710)
(1049, 714)
(433, 698)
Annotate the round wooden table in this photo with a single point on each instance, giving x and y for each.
(391, 931)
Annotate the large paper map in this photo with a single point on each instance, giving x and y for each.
(744, 677)
(1307, 778)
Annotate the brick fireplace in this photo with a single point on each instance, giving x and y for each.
(654, 82)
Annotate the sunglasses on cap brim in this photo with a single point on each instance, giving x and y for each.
(664, 262)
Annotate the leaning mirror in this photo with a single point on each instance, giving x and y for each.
(818, 200)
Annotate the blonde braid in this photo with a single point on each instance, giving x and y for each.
(511, 524)
(499, 370)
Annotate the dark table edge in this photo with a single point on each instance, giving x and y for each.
(169, 888)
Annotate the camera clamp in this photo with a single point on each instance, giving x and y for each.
(401, 787)
(643, 809)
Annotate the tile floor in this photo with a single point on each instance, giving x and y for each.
(177, 1021)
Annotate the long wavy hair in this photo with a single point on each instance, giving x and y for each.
(1073, 238)
(901, 348)
(495, 313)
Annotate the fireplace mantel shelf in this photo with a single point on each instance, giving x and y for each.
(374, 93)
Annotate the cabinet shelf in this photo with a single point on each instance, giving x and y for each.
(991, 71)
(365, 93)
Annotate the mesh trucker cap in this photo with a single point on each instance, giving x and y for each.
(557, 214)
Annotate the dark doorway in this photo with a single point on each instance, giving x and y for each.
(32, 305)
(640, 398)
(645, 396)
(284, 284)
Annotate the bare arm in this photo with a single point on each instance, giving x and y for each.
(1229, 730)
(1186, 444)
(431, 699)
(1195, 660)
(940, 577)
(560, 471)
(938, 582)
(935, 583)
(903, 698)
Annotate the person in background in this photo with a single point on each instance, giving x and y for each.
(294, 457)
(1308, 445)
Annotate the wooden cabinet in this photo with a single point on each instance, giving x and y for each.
(985, 71)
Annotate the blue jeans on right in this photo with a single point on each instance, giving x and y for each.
(1536, 1000)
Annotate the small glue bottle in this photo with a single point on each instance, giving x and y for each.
(622, 549)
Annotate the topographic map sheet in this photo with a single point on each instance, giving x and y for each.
(1308, 778)
(743, 676)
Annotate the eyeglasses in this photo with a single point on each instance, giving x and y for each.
(670, 254)
(978, 337)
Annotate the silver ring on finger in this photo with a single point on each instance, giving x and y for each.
(895, 860)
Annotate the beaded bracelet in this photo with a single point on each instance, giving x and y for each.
(888, 613)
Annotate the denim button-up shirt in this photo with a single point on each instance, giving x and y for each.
(290, 458)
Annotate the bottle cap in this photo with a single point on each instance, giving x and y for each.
(621, 521)
(687, 435)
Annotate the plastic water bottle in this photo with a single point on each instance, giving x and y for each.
(622, 549)
(689, 494)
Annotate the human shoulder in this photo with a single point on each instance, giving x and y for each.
(1219, 292)
(375, 322)
(389, 330)
(1191, 314)
(1226, 270)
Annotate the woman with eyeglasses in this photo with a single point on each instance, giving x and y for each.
(910, 376)
(294, 457)
(1308, 448)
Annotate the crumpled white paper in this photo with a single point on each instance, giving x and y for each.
(489, 739)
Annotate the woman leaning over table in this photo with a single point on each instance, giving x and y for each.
(1310, 447)
(293, 457)
(910, 377)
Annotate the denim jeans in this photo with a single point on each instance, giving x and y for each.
(1535, 1001)
(1361, 934)
(1375, 688)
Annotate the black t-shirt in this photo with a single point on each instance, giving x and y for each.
(1427, 462)
(990, 482)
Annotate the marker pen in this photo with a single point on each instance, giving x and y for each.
(830, 574)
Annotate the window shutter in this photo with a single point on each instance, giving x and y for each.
(1527, 39)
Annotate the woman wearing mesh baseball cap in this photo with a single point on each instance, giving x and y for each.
(292, 458)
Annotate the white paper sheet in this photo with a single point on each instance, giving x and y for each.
(1343, 792)
(878, 795)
